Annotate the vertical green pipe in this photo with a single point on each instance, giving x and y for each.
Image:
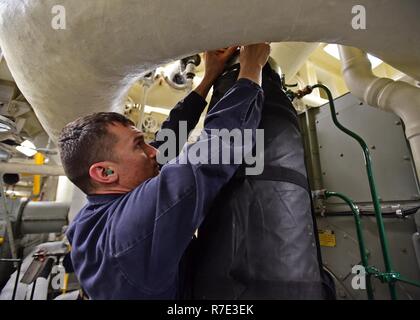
(361, 240)
(375, 199)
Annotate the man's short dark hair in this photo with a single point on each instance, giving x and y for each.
(86, 141)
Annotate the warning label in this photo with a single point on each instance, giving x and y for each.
(327, 238)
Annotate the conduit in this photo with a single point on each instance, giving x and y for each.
(49, 170)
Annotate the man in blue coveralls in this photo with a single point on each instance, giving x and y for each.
(127, 242)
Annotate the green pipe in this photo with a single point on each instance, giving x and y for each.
(388, 277)
(361, 241)
(375, 199)
(413, 283)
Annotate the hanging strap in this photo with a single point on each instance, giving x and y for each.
(276, 173)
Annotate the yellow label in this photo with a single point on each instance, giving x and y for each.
(327, 238)
(1, 240)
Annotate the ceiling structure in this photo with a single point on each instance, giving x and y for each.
(106, 46)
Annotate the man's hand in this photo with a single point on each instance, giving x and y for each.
(215, 62)
(252, 59)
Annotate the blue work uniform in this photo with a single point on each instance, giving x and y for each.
(129, 246)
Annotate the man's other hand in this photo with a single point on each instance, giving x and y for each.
(252, 59)
(215, 62)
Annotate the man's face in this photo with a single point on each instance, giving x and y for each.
(134, 158)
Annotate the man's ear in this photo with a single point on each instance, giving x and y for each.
(103, 172)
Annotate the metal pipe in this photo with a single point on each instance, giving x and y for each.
(362, 248)
(413, 283)
(399, 97)
(372, 185)
(48, 170)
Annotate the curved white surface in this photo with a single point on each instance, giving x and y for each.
(398, 97)
(107, 44)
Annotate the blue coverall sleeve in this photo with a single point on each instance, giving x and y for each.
(188, 110)
(160, 216)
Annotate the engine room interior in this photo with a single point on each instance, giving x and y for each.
(355, 88)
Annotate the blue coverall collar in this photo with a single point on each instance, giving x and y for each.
(103, 198)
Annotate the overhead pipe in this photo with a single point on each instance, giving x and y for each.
(49, 170)
(89, 63)
(398, 97)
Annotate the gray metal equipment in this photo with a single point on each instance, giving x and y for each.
(28, 219)
(335, 162)
(43, 217)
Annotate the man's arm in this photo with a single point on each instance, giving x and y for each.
(162, 214)
(190, 108)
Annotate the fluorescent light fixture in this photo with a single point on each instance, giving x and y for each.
(27, 148)
(332, 49)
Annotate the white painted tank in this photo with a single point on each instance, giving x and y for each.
(106, 45)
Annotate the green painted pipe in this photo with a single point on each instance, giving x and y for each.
(361, 241)
(413, 283)
(374, 195)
